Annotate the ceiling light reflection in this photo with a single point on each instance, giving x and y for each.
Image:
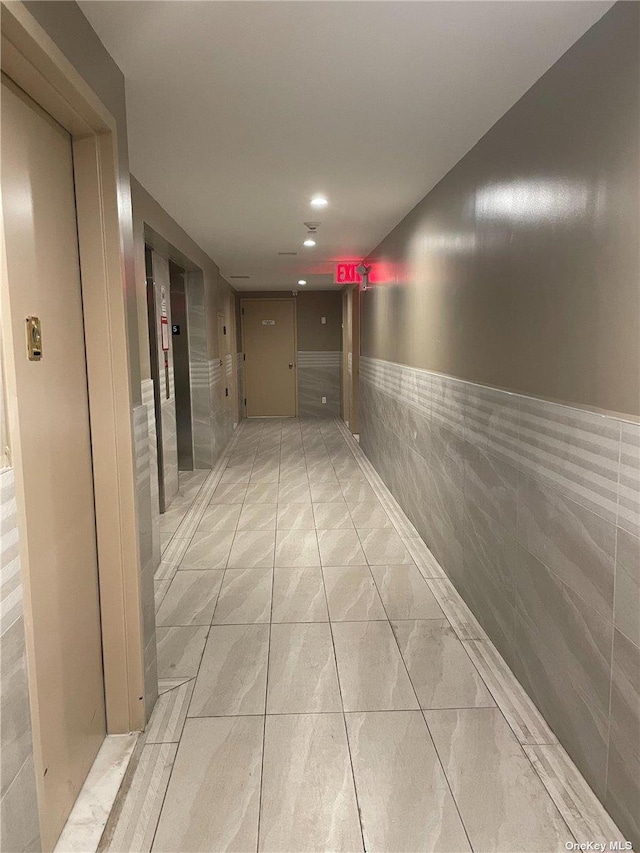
(533, 201)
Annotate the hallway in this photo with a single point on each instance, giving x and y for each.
(320, 426)
(292, 585)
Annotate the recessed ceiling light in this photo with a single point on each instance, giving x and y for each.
(319, 201)
(302, 281)
(309, 242)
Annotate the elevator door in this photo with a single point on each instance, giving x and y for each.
(181, 367)
(269, 343)
(63, 613)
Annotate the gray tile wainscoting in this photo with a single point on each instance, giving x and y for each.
(199, 370)
(18, 804)
(319, 375)
(147, 514)
(221, 416)
(240, 385)
(148, 401)
(533, 510)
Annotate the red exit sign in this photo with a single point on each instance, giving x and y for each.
(347, 273)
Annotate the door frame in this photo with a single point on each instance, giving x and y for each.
(351, 344)
(295, 340)
(34, 62)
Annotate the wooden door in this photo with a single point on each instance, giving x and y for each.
(59, 529)
(269, 343)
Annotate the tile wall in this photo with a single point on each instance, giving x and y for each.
(148, 528)
(18, 804)
(319, 375)
(533, 510)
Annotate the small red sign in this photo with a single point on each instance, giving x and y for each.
(347, 273)
(164, 328)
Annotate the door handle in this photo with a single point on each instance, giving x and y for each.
(290, 365)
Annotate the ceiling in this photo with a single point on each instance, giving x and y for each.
(239, 112)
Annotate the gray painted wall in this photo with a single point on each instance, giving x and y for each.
(519, 271)
(520, 268)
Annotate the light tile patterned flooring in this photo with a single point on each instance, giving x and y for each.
(323, 687)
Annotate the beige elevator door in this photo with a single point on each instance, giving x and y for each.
(44, 281)
(269, 342)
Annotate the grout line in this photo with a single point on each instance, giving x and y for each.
(344, 719)
(264, 725)
(206, 485)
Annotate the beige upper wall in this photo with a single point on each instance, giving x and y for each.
(311, 307)
(313, 334)
(65, 24)
(520, 269)
(170, 240)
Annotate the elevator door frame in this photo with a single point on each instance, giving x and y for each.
(34, 62)
(179, 305)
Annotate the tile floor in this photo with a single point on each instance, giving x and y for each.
(314, 695)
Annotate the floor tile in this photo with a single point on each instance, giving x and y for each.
(141, 804)
(326, 492)
(294, 493)
(514, 812)
(340, 548)
(371, 671)
(404, 799)
(442, 673)
(355, 491)
(166, 684)
(383, 547)
(349, 472)
(369, 515)
(229, 493)
(297, 548)
(405, 593)
(180, 650)
(298, 595)
(351, 594)
(295, 517)
(264, 474)
(245, 597)
(257, 517)
(206, 809)
(252, 549)
(165, 537)
(237, 475)
(332, 516)
(302, 670)
(261, 493)
(171, 520)
(290, 477)
(220, 517)
(233, 674)
(208, 551)
(190, 599)
(308, 797)
(167, 719)
(323, 474)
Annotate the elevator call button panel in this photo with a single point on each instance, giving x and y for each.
(34, 339)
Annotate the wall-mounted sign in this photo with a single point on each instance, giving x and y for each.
(347, 273)
(164, 320)
(268, 322)
(175, 329)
